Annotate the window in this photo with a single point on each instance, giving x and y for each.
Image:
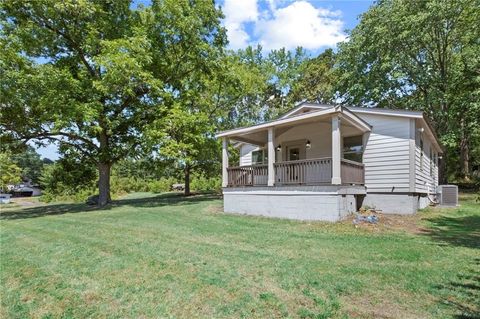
(259, 157)
(353, 148)
(294, 154)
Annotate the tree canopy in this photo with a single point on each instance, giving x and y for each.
(91, 75)
(420, 55)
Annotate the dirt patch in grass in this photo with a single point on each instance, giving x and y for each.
(386, 223)
(364, 308)
(214, 209)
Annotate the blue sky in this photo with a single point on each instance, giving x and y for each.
(313, 24)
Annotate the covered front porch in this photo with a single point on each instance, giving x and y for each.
(315, 148)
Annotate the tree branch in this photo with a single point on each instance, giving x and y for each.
(74, 46)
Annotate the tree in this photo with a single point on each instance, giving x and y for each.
(254, 87)
(317, 80)
(284, 69)
(187, 138)
(30, 163)
(421, 55)
(68, 175)
(92, 75)
(10, 173)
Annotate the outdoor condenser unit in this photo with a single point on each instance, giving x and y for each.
(448, 195)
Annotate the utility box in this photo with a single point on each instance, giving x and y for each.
(448, 195)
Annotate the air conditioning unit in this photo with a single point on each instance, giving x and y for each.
(447, 195)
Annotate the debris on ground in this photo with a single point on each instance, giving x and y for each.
(372, 219)
(367, 215)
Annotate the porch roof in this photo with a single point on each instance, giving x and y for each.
(344, 113)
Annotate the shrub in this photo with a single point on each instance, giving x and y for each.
(67, 180)
(201, 183)
(164, 184)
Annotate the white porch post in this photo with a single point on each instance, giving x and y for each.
(224, 162)
(336, 152)
(271, 156)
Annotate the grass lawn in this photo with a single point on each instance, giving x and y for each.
(168, 256)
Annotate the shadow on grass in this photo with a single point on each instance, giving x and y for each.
(463, 294)
(455, 231)
(60, 209)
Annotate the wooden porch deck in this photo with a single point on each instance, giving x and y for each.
(317, 171)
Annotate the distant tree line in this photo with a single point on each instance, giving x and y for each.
(142, 91)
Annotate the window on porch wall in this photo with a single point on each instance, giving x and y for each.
(259, 157)
(353, 148)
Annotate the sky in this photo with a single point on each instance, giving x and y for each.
(314, 25)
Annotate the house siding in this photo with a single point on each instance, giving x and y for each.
(387, 154)
(246, 154)
(321, 145)
(424, 181)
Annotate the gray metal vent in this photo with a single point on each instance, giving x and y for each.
(448, 195)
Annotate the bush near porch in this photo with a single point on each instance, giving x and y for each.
(169, 256)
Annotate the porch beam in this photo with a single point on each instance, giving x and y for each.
(248, 141)
(271, 156)
(224, 162)
(336, 151)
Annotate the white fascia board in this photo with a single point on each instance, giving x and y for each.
(365, 110)
(353, 119)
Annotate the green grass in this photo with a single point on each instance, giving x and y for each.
(168, 256)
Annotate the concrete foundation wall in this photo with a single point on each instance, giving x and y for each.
(327, 203)
(422, 201)
(301, 205)
(396, 203)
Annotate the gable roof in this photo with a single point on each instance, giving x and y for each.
(418, 115)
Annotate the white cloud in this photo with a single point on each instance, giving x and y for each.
(238, 12)
(300, 24)
(297, 24)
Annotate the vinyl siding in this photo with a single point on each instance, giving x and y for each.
(246, 154)
(424, 181)
(387, 154)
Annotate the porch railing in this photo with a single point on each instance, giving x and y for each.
(253, 175)
(310, 171)
(352, 172)
(316, 171)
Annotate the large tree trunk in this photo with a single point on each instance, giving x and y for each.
(187, 180)
(464, 155)
(104, 184)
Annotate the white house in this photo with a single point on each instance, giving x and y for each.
(321, 162)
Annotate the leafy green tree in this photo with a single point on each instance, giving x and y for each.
(317, 80)
(187, 139)
(284, 69)
(30, 163)
(10, 173)
(421, 55)
(67, 176)
(91, 75)
(254, 86)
